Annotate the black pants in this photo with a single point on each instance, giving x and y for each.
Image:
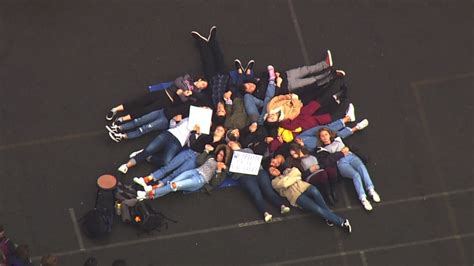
(212, 58)
(147, 103)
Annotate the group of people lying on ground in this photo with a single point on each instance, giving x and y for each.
(296, 119)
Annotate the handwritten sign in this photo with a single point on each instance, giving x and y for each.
(245, 163)
(200, 116)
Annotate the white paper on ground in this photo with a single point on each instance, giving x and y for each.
(245, 163)
(200, 116)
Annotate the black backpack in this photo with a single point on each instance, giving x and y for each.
(145, 217)
(97, 223)
(126, 194)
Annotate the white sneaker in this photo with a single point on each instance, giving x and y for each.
(366, 204)
(346, 225)
(114, 128)
(123, 168)
(375, 196)
(351, 112)
(267, 217)
(362, 124)
(133, 154)
(141, 195)
(284, 209)
(110, 115)
(140, 181)
(117, 137)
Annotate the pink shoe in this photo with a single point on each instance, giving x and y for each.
(271, 72)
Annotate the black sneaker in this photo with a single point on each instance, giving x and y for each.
(212, 33)
(346, 225)
(249, 66)
(110, 115)
(238, 65)
(329, 223)
(198, 36)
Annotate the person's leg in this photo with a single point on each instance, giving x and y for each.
(172, 147)
(250, 185)
(188, 164)
(218, 56)
(155, 146)
(268, 96)
(311, 200)
(140, 120)
(207, 59)
(160, 192)
(266, 187)
(301, 72)
(252, 104)
(357, 164)
(160, 123)
(175, 163)
(347, 171)
(321, 180)
(192, 182)
(140, 102)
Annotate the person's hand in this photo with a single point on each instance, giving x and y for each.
(187, 93)
(221, 166)
(253, 127)
(227, 95)
(208, 147)
(179, 91)
(314, 168)
(345, 151)
(197, 129)
(280, 139)
(268, 139)
(299, 141)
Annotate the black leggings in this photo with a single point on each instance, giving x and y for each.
(147, 103)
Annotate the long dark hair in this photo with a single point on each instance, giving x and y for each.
(298, 148)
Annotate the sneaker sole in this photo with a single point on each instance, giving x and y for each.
(331, 63)
(199, 35)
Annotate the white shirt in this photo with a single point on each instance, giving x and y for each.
(181, 131)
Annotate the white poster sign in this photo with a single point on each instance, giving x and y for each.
(200, 116)
(245, 163)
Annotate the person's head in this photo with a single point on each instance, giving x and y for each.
(219, 132)
(234, 145)
(200, 83)
(233, 134)
(273, 171)
(220, 109)
(326, 136)
(49, 260)
(23, 251)
(277, 160)
(220, 153)
(297, 151)
(273, 117)
(248, 87)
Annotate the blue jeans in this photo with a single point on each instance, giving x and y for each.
(166, 144)
(190, 180)
(311, 140)
(155, 120)
(311, 200)
(183, 161)
(252, 104)
(352, 167)
(256, 185)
